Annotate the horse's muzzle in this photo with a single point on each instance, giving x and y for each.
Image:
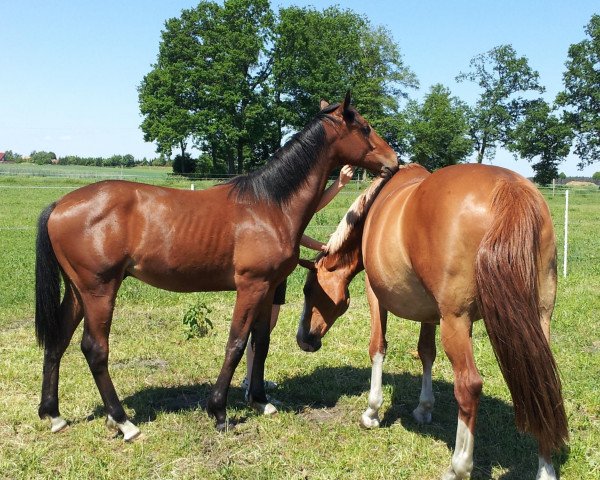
(388, 172)
(308, 343)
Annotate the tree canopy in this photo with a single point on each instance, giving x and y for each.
(544, 136)
(206, 86)
(581, 96)
(504, 78)
(232, 79)
(438, 130)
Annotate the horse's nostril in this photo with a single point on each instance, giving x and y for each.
(308, 342)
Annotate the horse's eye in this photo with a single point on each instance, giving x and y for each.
(366, 130)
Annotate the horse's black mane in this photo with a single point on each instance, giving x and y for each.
(289, 167)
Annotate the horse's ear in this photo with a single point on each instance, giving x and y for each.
(309, 264)
(323, 104)
(347, 111)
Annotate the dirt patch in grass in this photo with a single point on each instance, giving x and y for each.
(594, 347)
(335, 414)
(150, 363)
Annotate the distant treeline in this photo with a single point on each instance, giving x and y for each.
(47, 158)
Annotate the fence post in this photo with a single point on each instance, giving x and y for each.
(566, 233)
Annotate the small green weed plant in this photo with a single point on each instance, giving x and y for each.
(196, 321)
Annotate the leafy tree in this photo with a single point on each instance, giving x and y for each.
(119, 161)
(159, 161)
(206, 84)
(42, 158)
(184, 164)
(230, 80)
(439, 131)
(167, 95)
(503, 77)
(582, 93)
(10, 156)
(596, 176)
(541, 134)
(323, 54)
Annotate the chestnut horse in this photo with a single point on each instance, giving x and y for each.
(448, 248)
(242, 235)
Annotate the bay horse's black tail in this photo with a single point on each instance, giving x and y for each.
(507, 271)
(47, 285)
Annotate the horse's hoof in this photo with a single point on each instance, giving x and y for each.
(57, 424)
(369, 422)
(421, 416)
(263, 408)
(129, 430)
(223, 427)
(545, 471)
(450, 475)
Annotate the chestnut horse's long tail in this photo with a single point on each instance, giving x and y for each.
(47, 285)
(507, 282)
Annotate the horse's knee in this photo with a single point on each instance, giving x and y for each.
(95, 353)
(467, 392)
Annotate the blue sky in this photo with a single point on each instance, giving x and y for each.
(70, 70)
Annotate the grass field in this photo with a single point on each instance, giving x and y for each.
(163, 379)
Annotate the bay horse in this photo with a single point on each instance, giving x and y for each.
(448, 248)
(242, 235)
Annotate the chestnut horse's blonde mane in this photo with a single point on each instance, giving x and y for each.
(355, 214)
(358, 211)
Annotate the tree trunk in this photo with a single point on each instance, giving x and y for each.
(230, 163)
(213, 154)
(240, 156)
(481, 151)
(182, 146)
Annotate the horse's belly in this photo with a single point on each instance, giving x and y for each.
(401, 293)
(175, 281)
(392, 278)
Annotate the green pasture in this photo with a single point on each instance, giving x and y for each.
(163, 379)
(74, 171)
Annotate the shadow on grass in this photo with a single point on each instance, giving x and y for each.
(497, 443)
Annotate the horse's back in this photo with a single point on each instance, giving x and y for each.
(163, 236)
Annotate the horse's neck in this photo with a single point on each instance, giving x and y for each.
(303, 204)
(348, 259)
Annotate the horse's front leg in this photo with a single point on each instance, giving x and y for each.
(377, 348)
(249, 302)
(422, 413)
(456, 339)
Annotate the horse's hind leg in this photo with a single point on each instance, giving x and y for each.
(422, 413)
(377, 350)
(456, 339)
(71, 314)
(547, 295)
(99, 308)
